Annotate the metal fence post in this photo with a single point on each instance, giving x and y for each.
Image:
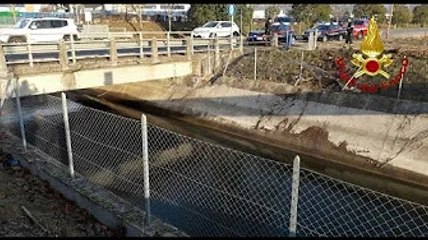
(145, 173)
(21, 119)
(255, 64)
(168, 41)
(67, 133)
(294, 196)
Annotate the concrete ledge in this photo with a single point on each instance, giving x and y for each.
(45, 83)
(105, 206)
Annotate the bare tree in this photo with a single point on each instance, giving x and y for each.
(340, 10)
(12, 9)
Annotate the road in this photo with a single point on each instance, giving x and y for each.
(46, 53)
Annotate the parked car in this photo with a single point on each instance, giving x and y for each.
(360, 28)
(216, 28)
(326, 32)
(257, 35)
(284, 20)
(39, 30)
(281, 29)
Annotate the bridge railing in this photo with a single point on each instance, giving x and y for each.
(115, 45)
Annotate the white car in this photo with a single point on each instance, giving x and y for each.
(39, 30)
(216, 29)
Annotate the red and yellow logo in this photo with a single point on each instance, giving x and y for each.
(371, 62)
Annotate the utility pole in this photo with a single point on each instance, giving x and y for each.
(169, 16)
(391, 10)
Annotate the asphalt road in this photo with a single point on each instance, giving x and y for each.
(52, 55)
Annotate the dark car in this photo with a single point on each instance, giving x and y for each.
(282, 30)
(256, 35)
(327, 32)
(283, 20)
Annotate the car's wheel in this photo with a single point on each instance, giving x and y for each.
(66, 38)
(213, 35)
(360, 35)
(235, 34)
(324, 38)
(17, 40)
(340, 37)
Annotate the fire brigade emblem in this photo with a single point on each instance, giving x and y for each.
(371, 61)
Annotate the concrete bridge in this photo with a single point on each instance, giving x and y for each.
(54, 67)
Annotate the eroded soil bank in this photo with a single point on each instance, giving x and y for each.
(351, 134)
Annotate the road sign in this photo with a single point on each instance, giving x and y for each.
(232, 9)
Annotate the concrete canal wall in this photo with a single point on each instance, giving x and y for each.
(385, 134)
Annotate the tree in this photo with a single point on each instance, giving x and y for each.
(309, 13)
(420, 15)
(370, 10)
(300, 12)
(12, 9)
(341, 11)
(201, 13)
(247, 17)
(272, 11)
(401, 14)
(321, 12)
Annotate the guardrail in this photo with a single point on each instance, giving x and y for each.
(118, 44)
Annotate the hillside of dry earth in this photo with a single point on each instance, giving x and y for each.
(319, 72)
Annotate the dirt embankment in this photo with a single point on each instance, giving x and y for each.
(319, 70)
(55, 216)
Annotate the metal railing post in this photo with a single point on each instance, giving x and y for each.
(21, 119)
(294, 197)
(67, 134)
(146, 173)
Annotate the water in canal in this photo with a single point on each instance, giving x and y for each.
(209, 190)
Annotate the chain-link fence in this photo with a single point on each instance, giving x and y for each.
(206, 189)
